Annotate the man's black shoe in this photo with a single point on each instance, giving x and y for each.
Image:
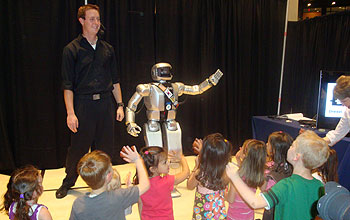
(62, 192)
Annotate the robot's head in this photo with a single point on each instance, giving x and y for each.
(161, 71)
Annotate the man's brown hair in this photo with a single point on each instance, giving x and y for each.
(84, 8)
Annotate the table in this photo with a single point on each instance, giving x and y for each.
(263, 126)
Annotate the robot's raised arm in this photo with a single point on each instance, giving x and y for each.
(141, 91)
(204, 86)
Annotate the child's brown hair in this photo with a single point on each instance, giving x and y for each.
(93, 168)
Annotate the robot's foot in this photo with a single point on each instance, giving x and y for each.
(175, 193)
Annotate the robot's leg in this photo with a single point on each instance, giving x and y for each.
(172, 138)
(172, 142)
(153, 136)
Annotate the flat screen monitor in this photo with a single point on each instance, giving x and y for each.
(329, 109)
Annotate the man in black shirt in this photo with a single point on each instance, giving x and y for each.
(90, 81)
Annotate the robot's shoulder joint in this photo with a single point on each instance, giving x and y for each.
(143, 89)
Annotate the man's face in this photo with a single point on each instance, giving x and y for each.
(91, 24)
(346, 102)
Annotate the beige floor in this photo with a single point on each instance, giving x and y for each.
(60, 208)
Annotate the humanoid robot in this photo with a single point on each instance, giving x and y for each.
(161, 101)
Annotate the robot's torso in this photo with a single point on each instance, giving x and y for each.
(159, 106)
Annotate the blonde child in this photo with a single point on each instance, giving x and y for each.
(294, 197)
(157, 203)
(96, 170)
(21, 199)
(252, 172)
(209, 179)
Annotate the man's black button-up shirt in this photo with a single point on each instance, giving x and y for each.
(88, 71)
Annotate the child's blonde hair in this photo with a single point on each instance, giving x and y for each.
(314, 150)
(253, 166)
(115, 182)
(93, 168)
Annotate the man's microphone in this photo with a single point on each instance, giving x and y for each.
(101, 32)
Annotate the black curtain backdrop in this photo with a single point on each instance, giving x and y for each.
(243, 38)
(321, 43)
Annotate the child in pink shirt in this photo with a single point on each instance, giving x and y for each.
(251, 170)
(156, 203)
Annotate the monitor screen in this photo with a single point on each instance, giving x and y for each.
(329, 110)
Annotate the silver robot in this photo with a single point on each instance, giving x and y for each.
(161, 101)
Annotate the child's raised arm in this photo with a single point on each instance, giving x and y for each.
(131, 155)
(253, 200)
(197, 145)
(192, 182)
(180, 177)
(240, 156)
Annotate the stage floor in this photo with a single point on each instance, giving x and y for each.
(60, 208)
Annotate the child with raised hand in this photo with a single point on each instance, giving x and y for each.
(278, 167)
(96, 170)
(252, 172)
(197, 145)
(329, 170)
(240, 155)
(209, 179)
(294, 197)
(23, 191)
(115, 184)
(157, 203)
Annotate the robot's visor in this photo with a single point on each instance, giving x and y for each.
(164, 72)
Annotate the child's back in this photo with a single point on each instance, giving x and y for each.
(96, 170)
(298, 197)
(107, 205)
(209, 178)
(252, 172)
(239, 210)
(157, 202)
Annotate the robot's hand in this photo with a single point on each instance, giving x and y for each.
(133, 129)
(214, 79)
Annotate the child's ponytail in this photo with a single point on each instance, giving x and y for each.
(20, 188)
(22, 209)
